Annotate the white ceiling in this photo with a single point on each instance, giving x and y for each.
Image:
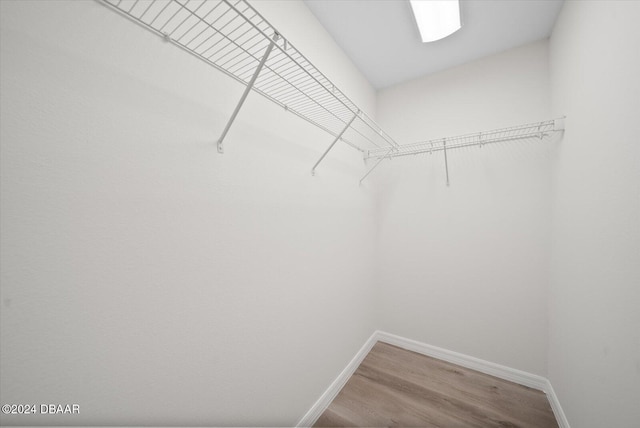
(382, 39)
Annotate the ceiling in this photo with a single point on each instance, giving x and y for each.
(382, 39)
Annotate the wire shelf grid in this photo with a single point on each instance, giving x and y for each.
(534, 131)
(233, 37)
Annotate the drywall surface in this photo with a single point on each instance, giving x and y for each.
(594, 346)
(465, 267)
(145, 277)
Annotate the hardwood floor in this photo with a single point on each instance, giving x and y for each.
(396, 387)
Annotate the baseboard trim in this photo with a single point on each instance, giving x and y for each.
(563, 422)
(493, 369)
(503, 372)
(327, 397)
(483, 366)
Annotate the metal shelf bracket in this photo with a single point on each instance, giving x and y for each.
(446, 163)
(256, 73)
(338, 137)
(387, 156)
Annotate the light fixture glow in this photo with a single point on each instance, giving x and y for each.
(436, 18)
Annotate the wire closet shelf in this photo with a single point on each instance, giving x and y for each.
(233, 37)
(531, 131)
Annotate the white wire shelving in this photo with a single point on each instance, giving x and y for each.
(233, 37)
(537, 131)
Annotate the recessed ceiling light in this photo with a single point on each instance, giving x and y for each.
(436, 18)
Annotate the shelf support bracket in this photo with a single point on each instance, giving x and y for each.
(256, 73)
(446, 164)
(313, 170)
(376, 165)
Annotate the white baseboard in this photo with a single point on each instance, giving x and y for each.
(556, 407)
(327, 397)
(503, 372)
(493, 369)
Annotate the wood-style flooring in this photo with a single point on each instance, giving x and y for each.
(396, 387)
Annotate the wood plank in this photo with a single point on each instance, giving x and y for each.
(396, 387)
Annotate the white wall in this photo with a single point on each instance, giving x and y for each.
(144, 276)
(465, 267)
(594, 347)
(143, 272)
